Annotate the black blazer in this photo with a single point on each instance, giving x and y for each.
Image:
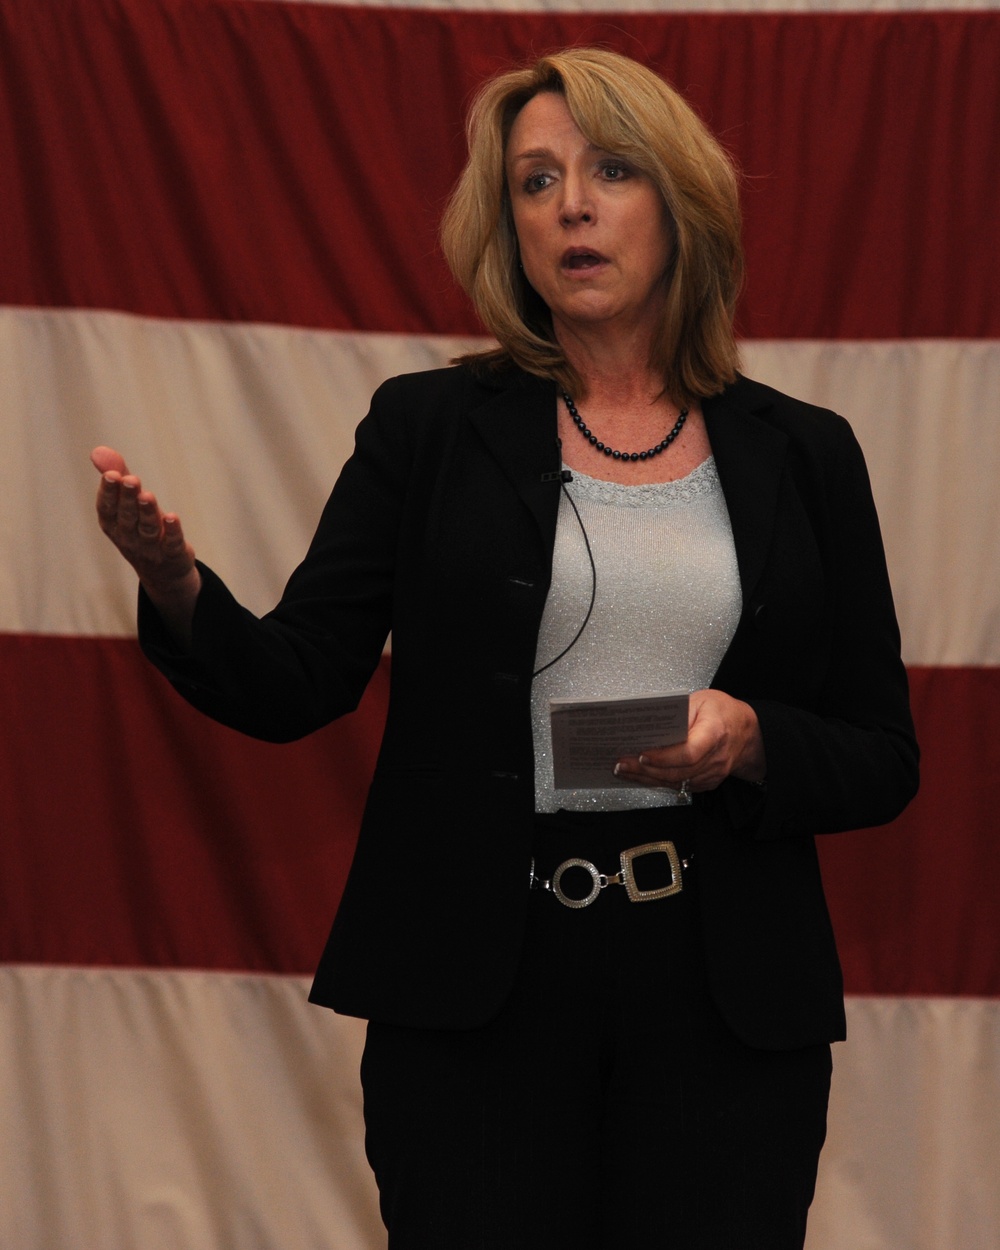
(441, 529)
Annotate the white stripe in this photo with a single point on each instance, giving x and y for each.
(207, 1110)
(672, 6)
(178, 1109)
(242, 429)
(912, 1160)
(927, 413)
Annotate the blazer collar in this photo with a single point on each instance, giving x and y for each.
(750, 456)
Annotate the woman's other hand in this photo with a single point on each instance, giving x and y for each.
(150, 540)
(724, 740)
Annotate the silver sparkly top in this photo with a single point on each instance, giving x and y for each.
(667, 605)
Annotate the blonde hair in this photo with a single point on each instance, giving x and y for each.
(623, 108)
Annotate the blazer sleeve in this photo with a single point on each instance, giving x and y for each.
(845, 755)
(281, 676)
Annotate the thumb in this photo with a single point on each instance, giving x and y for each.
(107, 460)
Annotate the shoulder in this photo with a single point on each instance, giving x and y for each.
(424, 421)
(461, 386)
(760, 435)
(805, 425)
(755, 420)
(425, 413)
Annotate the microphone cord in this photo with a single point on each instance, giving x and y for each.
(568, 477)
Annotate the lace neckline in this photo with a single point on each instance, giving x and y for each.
(702, 480)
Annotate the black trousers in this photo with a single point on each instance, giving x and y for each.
(608, 1106)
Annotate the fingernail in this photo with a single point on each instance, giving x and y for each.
(618, 769)
(643, 759)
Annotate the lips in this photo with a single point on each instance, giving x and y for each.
(582, 258)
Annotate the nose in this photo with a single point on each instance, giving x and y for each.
(576, 205)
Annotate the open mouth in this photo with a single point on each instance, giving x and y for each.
(581, 258)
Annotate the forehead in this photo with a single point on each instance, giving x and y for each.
(544, 124)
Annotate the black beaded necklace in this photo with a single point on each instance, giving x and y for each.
(578, 421)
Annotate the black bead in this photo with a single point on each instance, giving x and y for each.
(623, 455)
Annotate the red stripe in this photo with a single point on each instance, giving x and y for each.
(137, 832)
(288, 163)
(915, 904)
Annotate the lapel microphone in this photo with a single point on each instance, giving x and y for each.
(560, 475)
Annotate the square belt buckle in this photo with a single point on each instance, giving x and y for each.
(663, 891)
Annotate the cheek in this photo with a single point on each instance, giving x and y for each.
(527, 236)
(532, 252)
(656, 250)
(651, 225)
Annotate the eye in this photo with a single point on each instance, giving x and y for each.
(536, 182)
(615, 171)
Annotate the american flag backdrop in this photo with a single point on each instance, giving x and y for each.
(217, 236)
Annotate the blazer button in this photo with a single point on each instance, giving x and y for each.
(760, 616)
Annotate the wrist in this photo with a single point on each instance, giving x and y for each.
(752, 764)
(175, 604)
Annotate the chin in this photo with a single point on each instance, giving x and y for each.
(586, 312)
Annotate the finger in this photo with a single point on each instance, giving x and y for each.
(680, 756)
(128, 502)
(107, 460)
(664, 764)
(174, 543)
(640, 769)
(149, 524)
(685, 785)
(108, 494)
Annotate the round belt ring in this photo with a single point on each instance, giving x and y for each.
(595, 889)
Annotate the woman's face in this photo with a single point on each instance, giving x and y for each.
(594, 233)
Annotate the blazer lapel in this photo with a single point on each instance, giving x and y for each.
(518, 426)
(750, 457)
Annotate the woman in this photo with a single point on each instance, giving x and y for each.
(602, 505)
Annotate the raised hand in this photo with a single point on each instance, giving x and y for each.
(150, 540)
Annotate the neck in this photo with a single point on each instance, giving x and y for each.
(611, 366)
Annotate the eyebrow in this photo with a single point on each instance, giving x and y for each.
(541, 154)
